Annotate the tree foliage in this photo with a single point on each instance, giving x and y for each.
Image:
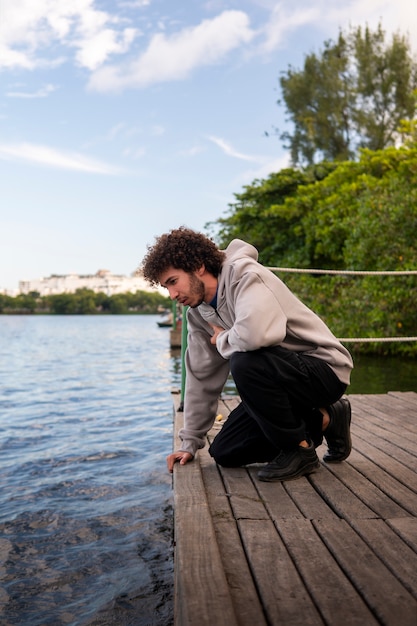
(351, 95)
(84, 302)
(353, 215)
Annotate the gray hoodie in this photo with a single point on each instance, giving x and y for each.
(256, 309)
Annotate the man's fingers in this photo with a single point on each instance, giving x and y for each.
(182, 457)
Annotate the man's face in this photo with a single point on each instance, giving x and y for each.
(184, 287)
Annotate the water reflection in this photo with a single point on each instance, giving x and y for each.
(381, 374)
(371, 374)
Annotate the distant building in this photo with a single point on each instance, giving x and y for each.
(103, 281)
(9, 292)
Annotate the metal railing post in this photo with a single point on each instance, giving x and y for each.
(174, 315)
(184, 336)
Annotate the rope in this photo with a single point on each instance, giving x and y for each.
(355, 273)
(376, 339)
(347, 272)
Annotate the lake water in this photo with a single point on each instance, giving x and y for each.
(85, 501)
(85, 498)
(382, 374)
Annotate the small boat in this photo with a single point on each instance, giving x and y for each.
(165, 324)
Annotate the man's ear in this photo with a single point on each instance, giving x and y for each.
(201, 270)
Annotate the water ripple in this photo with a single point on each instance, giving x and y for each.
(85, 505)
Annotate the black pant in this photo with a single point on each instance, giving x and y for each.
(281, 392)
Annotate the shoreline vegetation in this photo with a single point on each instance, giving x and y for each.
(310, 289)
(84, 302)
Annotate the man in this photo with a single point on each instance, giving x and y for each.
(289, 369)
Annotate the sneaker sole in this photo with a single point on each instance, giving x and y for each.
(304, 472)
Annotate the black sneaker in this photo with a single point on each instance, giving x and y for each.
(337, 434)
(290, 464)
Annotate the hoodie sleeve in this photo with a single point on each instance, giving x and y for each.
(206, 374)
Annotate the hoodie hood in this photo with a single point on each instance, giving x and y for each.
(238, 249)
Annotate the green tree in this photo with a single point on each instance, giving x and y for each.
(63, 304)
(119, 303)
(85, 301)
(5, 303)
(358, 215)
(25, 303)
(261, 214)
(352, 95)
(147, 301)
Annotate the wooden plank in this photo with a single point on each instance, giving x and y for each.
(406, 528)
(245, 500)
(403, 475)
(217, 497)
(379, 502)
(393, 446)
(285, 600)
(365, 412)
(386, 409)
(399, 454)
(197, 553)
(375, 409)
(277, 500)
(341, 499)
(388, 430)
(395, 490)
(399, 558)
(227, 404)
(278, 554)
(384, 594)
(307, 500)
(405, 396)
(404, 399)
(245, 598)
(333, 593)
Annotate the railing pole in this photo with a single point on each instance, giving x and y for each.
(174, 315)
(184, 337)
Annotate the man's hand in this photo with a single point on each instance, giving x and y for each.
(181, 457)
(217, 331)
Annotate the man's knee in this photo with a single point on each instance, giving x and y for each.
(240, 364)
(220, 455)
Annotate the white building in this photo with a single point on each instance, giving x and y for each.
(103, 281)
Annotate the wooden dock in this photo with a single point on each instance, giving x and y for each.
(337, 548)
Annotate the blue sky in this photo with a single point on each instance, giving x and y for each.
(123, 119)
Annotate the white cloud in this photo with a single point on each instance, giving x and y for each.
(43, 92)
(275, 165)
(283, 21)
(174, 57)
(394, 16)
(50, 157)
(269, 166)
(230, 151)
(45, 33)
(135, 4)
(28, 28)
(331, 15)
(94, 51)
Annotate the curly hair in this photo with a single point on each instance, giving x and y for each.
(181, 248)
